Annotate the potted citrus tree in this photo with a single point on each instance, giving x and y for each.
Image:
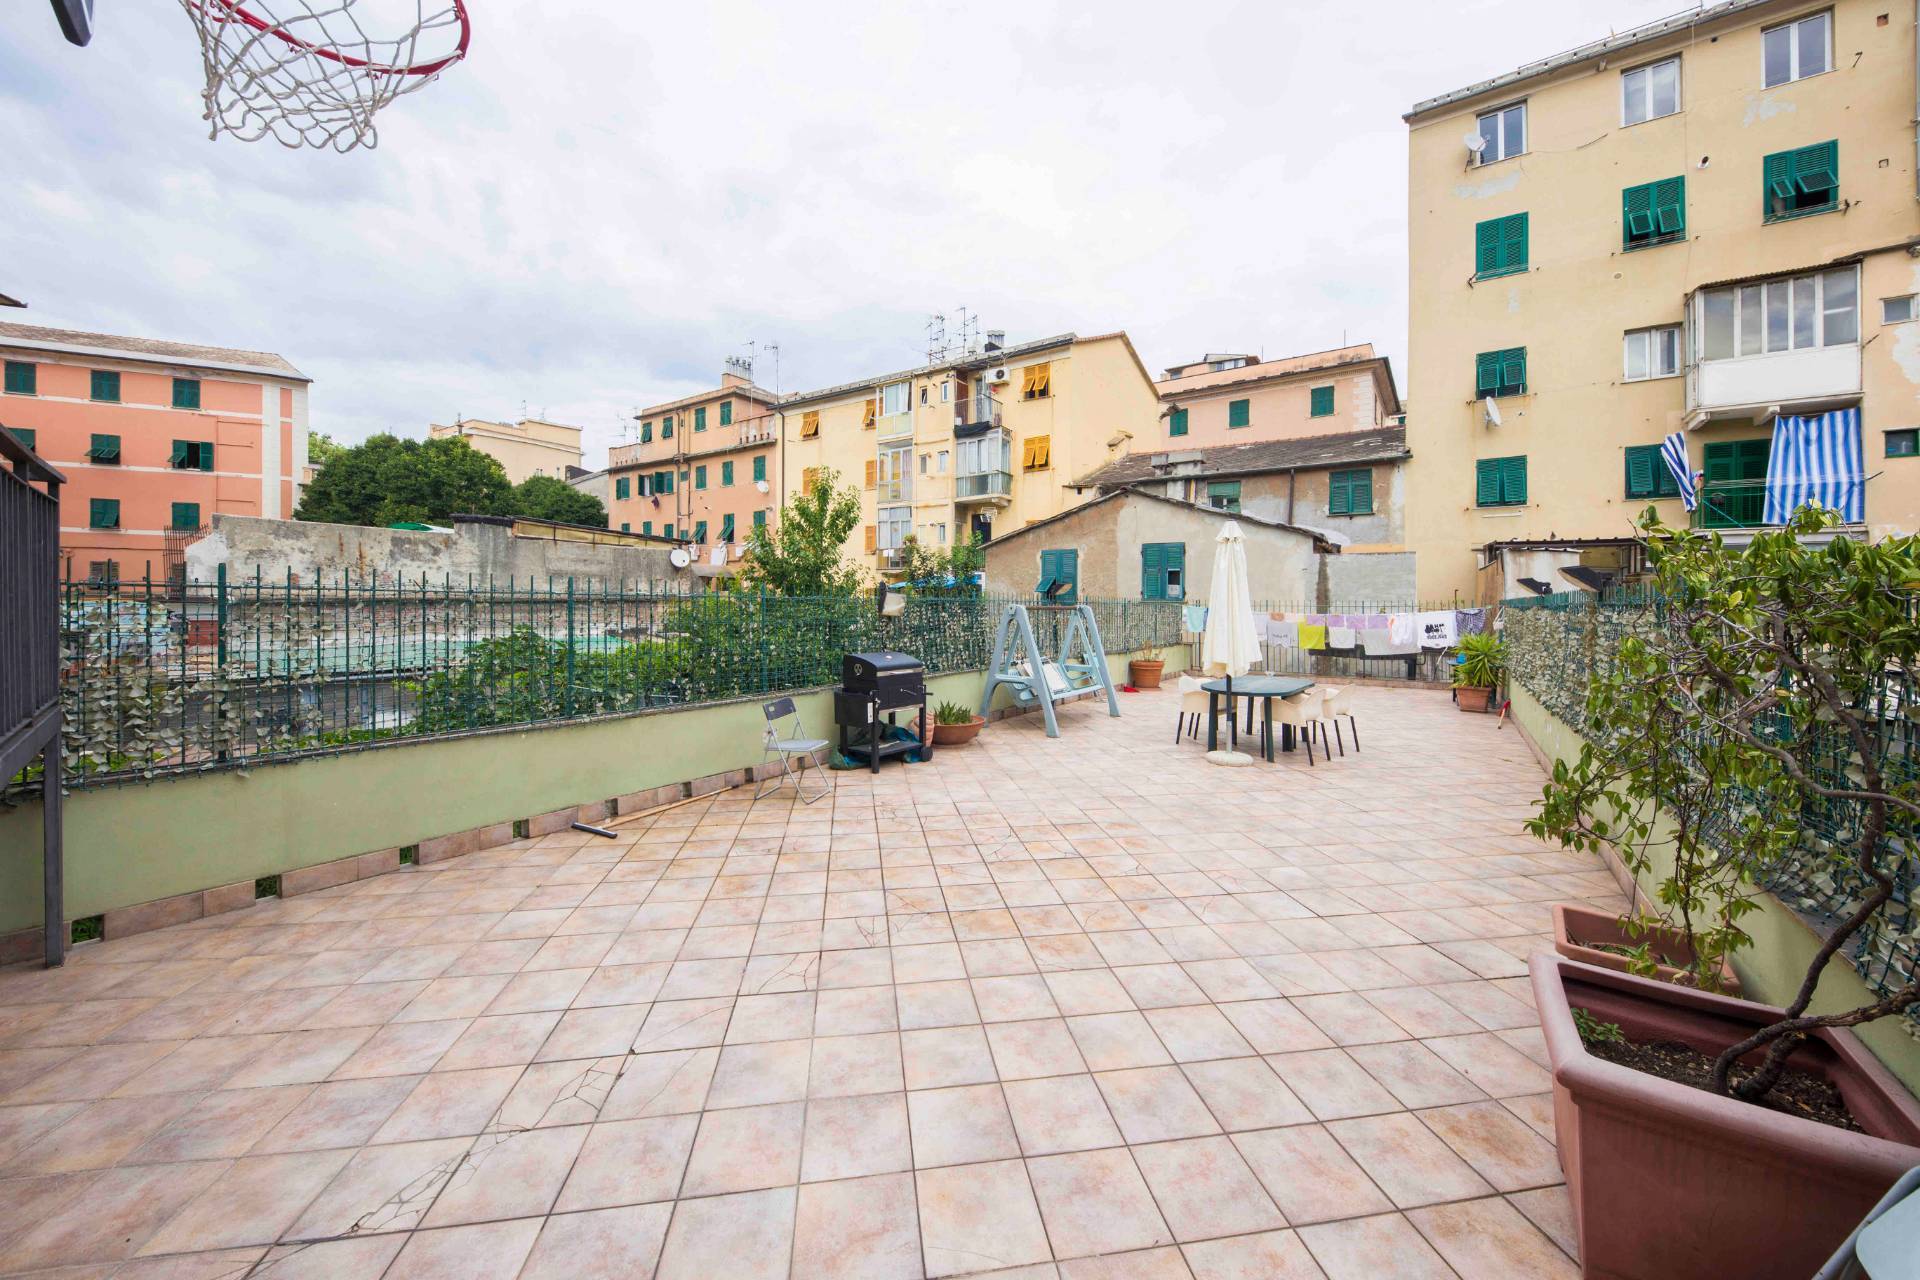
(1480, 661)
(1144, 671)
(955, 725)
(1675, 1107)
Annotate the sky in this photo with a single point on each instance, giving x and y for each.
(603, 201)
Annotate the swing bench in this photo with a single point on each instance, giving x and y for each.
(1079, 670)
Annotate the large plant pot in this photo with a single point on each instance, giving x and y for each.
(958, 735)
(1472, 697)
(1576, 929)
(1144, 673)
(1673, 1183)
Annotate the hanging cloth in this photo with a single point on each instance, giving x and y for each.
(1436, 629)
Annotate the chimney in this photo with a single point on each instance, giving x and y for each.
(996, 339)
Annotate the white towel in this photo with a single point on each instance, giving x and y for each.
(1401, 637)
(1339, 637)
(1376, 641)
(1436, 629)
(1284, 632)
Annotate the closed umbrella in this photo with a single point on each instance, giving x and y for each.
(1230, 646)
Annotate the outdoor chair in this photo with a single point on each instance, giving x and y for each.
(1303, 712)
(1193, 707)
(785, 748)
(1336, 703)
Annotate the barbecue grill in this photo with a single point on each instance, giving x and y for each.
(874, 689)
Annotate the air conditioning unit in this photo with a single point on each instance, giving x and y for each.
(999, 375)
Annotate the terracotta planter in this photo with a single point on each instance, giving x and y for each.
(1144, 673)
(1574, 925)
(1674, 1183)
(957, 735)
(1472, 697)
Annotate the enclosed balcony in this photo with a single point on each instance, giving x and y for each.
(983, 470)
(974, 414)
(1787, 345)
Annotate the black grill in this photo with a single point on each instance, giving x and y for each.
(887, 679)
(874, 688)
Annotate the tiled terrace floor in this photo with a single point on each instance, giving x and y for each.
(1088, 1007)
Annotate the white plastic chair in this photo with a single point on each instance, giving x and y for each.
(785, 749)
(1193, 707)
(1303, 712)
(1335, 703)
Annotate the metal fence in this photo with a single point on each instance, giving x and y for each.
(1279, 621)
(165, 677)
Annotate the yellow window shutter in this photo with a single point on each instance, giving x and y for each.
(872, 412)
(872, 473)
(873, 539)
(1042, 380)
(1027, 378)
(1039, 453)
(809, 478)
(810, 424)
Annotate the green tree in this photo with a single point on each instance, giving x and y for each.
(937, 571)
(801, 555)
(550, 498)
(387, 480)
(322, 449)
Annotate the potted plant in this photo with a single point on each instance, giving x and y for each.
(1144, 671)
(955, 725)
(1745, 710)
(1479, 663)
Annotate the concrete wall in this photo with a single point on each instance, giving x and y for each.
(1362, 577)
(482, 552)
(142, 842)
(1267, 497)
(1772, 968)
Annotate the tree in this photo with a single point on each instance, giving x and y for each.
(1757, 706)
(942, 571)
(801, 554)
(322, 449)
(550, 498)
(387, 480)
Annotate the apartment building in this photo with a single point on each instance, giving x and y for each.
(978, 445)
(154, 438)
(1230, 399)
(705, 471)
(1705, 225)
(527, 448)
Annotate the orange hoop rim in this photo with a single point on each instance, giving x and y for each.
(235, 11)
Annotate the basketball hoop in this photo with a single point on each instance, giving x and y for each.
(308, 73)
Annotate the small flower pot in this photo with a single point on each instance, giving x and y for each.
(1579, 933)
(1669, 1182)
(958, 735)
(1472, 697)
(1144, 673)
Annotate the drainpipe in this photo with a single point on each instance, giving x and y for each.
(1293, 473)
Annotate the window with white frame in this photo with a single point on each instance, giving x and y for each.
(1647, 93)
(1798, 49)
(1898, 310)
(895, 474)
(1793, 313)
(1653, 353)
(940, 463)
(1503, 133)
(896, 397)
(895, 524)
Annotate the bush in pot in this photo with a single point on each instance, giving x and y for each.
(1480, 661)
(1144, 671)
(955, 725)
(1750, 703)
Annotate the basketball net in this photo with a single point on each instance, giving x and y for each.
(307, 73)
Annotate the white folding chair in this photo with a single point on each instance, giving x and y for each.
(785, 749)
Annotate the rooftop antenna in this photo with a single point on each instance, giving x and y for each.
(969, 342)
(936, 338)
(773, 349)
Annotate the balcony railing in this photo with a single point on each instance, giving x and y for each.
(1732, 505)
(892, 426)
(982, 411)
(984, 484)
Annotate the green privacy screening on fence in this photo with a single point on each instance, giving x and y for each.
(170, 677)
(1555, 646)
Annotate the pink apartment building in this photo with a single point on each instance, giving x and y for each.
(154, 437)
(1238, 399)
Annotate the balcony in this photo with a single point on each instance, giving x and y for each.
(896, 490)
(984, 486)
(1754, 388)
(761, 430)
(1738, 504)
(895, 426)
(975, 414)
(1789, 344)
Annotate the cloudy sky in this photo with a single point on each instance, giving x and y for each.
(606, 199)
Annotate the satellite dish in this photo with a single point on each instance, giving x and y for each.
(679, 558)
(1475, 143)
(1491, 409)
(762, 486)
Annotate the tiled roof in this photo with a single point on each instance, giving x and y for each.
(152, 349)
(1254, 369)
(1383, 444)
(978, 360)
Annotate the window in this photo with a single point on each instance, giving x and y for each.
(760, 468)
(810, 424)
(1350, 493)
(666, 427)
(1647, 93)
(1796, 50)
(646, 433)
(1892, 310)
(186, 393)
(700, 531)
(811, 478)
(625, 527)
(895, 474)
(894, 398)
(1789, 314)
(1239, 413)
(1163, 571)
(646, 528)
(1320, 402)
(23, 379)
(1653, 213)
(868, 414)
(726, 413)
(666, 530)
(192, 455)
(26, 436)
(1037, 454)
(895, 524)
(1653, 353)
(1060, 567)
(1801, 182)
(1036, 382)
(1231, 362)
(923, 393)
(103, 570)
(726, 527)
(1735, 493)
(946, 394)
(186, 516)
(940, 463)
(1501, 373)
(700, 476)
(760, 519)
(106, 386)
(700, 418)
(663, 482)
(623, 487)
(1648, 475)
(1177, 422)
(1904, 443)
(1500, 482)
(1500, 246)
(103, 513)
(726, 474)
(926, 461)
(873, 473)
(1503, 133)
(1224, 495)
(104, 448)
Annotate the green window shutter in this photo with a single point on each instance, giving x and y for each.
(27, 436)
(622, 488)
(105, 448)
(1817, 169)
(726, 473)
(1636, 211)
(179, 456)
(700, 476)
(1176, 555)
(1486, 373)
(700, 418)
(206, 455)
(1486, 482)
(1653, 213)
(1801, 181)
(625, 527)
(1339, 494)
(106, 386)
(23, 379)
(726, 527)
(1153, 571)
(1487, 248)
(646, 527)
(760, 519)
(1500, 246)
(186, 516)
(666, 530)
(1177, 423)
(186, 393)
(646, 433)
(1513, 481)
(700, 531)
(1670, 206)
(1640, 464)
(666, 427)
(1239, 413)
(1070, 570)
(1320, 402)
(103, 513)
(1361, 488)
(726, 413)
(760, 468)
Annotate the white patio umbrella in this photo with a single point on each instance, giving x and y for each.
(1230, 645)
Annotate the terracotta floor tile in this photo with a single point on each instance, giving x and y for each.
(1204, 1189)
(1088, 991)
(946, 1056)
(400, 1049)
(1095, 1202)
(338, 1113)
(629, 1162)
(382, 1189)
(98, 1134)
(1269, 1255)
(110, 1218)
(860, 1229)
(1551, 1210)
(1406, 1160)
(1043, 1047)
(978, 1218)
(1115, 1041)
(508, 1174)
(1414, 1074)
(848, 1011)
(486, 1251)
(1155, 1104)
(365, 1258)
(1060, 1113)
(1165, 1263)
(660, 1084)
(746, 1149)
(751, 1074)
(593, 1032)
(1308, 1174)
(684, 1024)
(1493, 1239)
(748, 1236)
(603, 1244)
(1496, 1067)
(1501, 1148)
(785, 1015)
(960, 1125)
(552, 1094)
(1332, 1084)
(448, 1104)
(855, 1137)
(91, 1073)
(846, 1065)
(1194, 1033)
(1369, 1248)
(499, 1040)
(252, 1202)
(947, 1003)
(537, 992)
(1245, 1093)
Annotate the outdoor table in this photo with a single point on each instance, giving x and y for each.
(1266, 688)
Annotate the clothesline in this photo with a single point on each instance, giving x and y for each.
(1374, 633)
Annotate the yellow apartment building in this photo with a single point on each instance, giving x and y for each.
(527, 448)
(1698, 226)
(1224, 399)
(982, 444)
(705, 471)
